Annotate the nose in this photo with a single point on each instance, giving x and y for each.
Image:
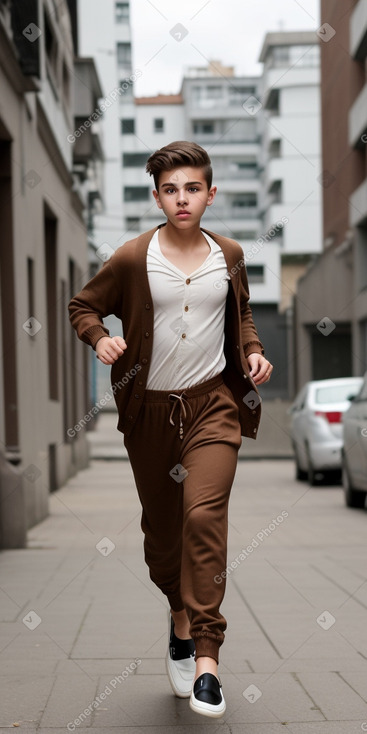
(181, 196)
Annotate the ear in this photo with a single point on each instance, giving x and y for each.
(156, 196)
(211, 195)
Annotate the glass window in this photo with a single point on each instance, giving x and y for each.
(238, 95)
(336, 393)
(255, 273)
(245, 200)
(127, 87)
(213, 92)
(122, 12)
(136, 193)
(133, 223)
(203, 128)
(128, 126)
(134, 160)
(124, 53)
(158, 125)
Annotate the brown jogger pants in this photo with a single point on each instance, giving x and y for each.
(183, 453)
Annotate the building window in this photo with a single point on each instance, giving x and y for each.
(124, 54)
(275, 148)
(255, 273)
(207, 95)
(127, 87)
(133, 223)
(203, 128)
(136, 193)
(243, 169)
(245, 200)
(122, 12)
(128, 126)
(238, 95)
(159, 125)
(244, 234)
(134, 160)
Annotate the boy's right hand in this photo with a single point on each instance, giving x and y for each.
(109, 348)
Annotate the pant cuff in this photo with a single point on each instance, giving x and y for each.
(206, 647)
(175, 602)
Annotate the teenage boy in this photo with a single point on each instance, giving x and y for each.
(185, 379)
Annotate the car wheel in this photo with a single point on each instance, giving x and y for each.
(313, 475)
(353, 497)
(301, 474)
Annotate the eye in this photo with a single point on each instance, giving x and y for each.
(193, 188)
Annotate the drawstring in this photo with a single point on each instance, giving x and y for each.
(176, 397)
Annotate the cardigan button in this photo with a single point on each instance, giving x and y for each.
(144, 360)
(131, 417)
(147, 305)
(146, 334)
(254, 430)
(141, 382)
(136, 395)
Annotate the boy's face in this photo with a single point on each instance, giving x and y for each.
(183, 195)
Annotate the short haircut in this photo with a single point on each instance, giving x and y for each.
(179, 153)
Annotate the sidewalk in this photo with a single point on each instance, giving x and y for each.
(94, 633)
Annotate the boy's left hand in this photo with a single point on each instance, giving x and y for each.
(261, 368)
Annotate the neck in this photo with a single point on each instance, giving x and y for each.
(181, 238)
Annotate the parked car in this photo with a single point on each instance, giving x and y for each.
(316, 425)
(354, 451)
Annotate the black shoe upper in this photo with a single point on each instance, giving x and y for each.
(180, 649)
(207, 688)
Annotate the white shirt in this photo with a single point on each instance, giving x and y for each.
(189, 313)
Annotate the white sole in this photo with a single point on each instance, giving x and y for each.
(207, 709)
(187, 666)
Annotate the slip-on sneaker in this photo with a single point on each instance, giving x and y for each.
(207, 696)
(180, 662)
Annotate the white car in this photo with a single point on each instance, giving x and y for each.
(316, 425)
(354, 451)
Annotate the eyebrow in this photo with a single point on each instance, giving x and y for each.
(189, 183)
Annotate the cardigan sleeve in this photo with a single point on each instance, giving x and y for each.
(250, 338)
(99, 298)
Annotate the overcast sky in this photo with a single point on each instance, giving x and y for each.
(231, 31)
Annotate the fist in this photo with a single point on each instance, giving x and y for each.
(108, 348)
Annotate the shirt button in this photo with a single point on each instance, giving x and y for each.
(183, 336)
(188, 281)
(186, 308)
(146, 334)
(144, 360)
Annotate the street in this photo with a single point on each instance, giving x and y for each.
(89, 653)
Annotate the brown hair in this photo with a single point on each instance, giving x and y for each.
(179, 153)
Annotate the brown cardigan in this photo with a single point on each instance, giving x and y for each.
(121, 287)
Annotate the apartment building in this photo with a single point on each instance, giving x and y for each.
(330, 335)
(43, 249)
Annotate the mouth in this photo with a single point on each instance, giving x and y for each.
(183, 214)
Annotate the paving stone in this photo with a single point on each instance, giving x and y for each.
(100, 613)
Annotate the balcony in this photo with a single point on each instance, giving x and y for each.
(358, 120)
(358, 206)
(358, 31)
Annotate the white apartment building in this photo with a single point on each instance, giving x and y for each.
(292, 153)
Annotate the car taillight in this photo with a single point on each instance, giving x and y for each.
(330, 416)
